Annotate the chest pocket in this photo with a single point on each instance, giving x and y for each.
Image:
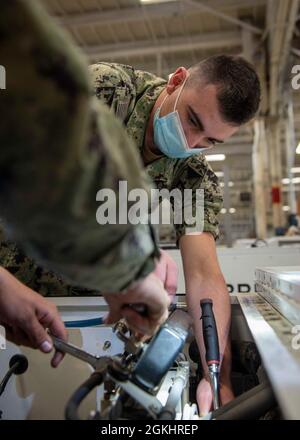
(161, 173)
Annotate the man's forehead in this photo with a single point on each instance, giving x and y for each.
(204, 103)
(207, 91)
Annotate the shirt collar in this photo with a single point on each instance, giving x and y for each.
(138, 120)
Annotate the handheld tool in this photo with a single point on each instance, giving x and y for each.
(211, 342)
(98, 363)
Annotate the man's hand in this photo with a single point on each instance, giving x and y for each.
(204, 390)
(149, 293)
(167, 271)
(25, 315)
(205, 395)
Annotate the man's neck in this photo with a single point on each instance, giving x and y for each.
(149, 137)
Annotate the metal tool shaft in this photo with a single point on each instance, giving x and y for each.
(214, 379)
(76, 352)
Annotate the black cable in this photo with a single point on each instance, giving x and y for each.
(71, 411)
(18, 365)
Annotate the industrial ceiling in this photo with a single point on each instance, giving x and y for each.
(159, 36)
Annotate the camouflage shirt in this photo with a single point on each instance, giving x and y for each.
(132, 94)
(59, 147)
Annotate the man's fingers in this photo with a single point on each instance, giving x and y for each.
(56, 326)
(161, 270)
(204, 397)
(149, 293)
(113, 316)
(138, 323)
(37, 335)
(141, 324)
(114, 302)
(16, 336)
(167, 271)
(57, 358)
(54, 323)
(171, 279)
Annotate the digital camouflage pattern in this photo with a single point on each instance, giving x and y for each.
(41, 280)
(132, 94)
(59, 146)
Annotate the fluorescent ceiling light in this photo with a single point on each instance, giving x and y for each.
(232, 210)
(145, 2)
(298, 149)
(219, 173)
(223, 211)
(286, 181)
(215, 157)
(295, 170)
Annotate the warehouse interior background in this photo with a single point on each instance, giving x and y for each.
(259, 167)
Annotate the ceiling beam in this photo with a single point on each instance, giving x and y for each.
(211, 40)
(281, 31)
(209, 9)
(163, 10)
(290, 26)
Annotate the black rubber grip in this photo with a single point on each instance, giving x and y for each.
(210, 333)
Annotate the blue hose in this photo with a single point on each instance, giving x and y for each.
(84, 323)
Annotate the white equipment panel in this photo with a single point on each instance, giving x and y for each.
(239, 265)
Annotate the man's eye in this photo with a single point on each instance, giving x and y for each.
(212, 142)
(193, 121)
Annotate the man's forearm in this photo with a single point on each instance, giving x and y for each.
(211, 286)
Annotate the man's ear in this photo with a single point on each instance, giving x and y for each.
(176, 79)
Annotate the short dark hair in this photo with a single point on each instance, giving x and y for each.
(238, 85)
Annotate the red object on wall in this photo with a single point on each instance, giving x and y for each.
(276, 194)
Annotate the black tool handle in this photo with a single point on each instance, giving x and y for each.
(210, 333)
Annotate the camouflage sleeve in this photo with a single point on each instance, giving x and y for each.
(196, 174)
(59, 147)
(213, 201)
(39, 279)
(115, 85)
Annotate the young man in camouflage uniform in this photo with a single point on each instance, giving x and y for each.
(59, 146)
(172, 123)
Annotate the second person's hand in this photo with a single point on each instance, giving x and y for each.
(26, 315)
(150, 294)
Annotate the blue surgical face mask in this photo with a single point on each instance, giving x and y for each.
(169, 135)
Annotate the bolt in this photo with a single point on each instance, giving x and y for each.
(106, 345)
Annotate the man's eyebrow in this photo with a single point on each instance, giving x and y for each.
(201, 126)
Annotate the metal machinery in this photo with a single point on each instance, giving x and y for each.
(129, 379)
(273, 317)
